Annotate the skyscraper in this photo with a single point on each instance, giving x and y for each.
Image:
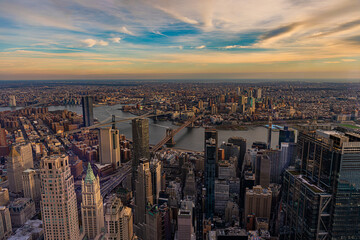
(328, 183)
(140, 135)
(19, 159)
(286, 135)
(211, 156)
(109, 147)
(14, 171)
(5, 221)
(58, 199)
(87, 107)
(32, 185)
(92, 210)
(241, 142)
(12, 101)
(118, 220)
(143, 193)
(155, 168)
(3, 142)
(258, 202)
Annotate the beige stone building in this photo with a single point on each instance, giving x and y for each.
(258, 202)
(118, 220)
(92, 210)
(58, 199)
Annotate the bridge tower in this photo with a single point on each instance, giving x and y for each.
(171, 142)
(113, 121)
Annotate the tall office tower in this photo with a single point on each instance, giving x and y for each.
(92, 211)
(214, 109)
(118, 220)
(110, 147)
(185, 226)
(58, 199)
(328, 183)
(190, 184)
(252, 104)
(221, 196)
(201, 105)
(270, 126)
(87, 107)
(211, 155)
(258, 93)
(4, 196)
(27, 158)
(3, 142)
(14, 171)
(155, 169)
(262, 170)
(5, 221)
(140, 135)
(286, 135)
(238, 91)
(12, 101)
(287, 156)
(143, 193)
(258, 202)
(241, 142)
(32, 185)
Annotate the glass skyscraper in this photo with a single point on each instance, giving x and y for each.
(87, 107)
(321, 199)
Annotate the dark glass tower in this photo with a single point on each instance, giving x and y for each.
(286, 135)
(140, 136)
(211, 155)
(321, 199)
(87, 107)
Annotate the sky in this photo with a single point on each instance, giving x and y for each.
(172, 39)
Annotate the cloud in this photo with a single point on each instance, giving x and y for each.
(236, 46)
(279, 31)
(200, 47)
(348, 60)
(330, 62)
(157, 33)
(92, 42)
(115, 39)
(89, 42)
(340, 28)
(127, 31)
(177, 15)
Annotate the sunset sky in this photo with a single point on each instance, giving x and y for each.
(168, 39)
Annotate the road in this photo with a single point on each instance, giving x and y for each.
(115, 179)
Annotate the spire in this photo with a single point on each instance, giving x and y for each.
(90, 177)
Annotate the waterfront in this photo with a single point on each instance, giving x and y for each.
(189, 138)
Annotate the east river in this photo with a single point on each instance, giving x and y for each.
(188, 138)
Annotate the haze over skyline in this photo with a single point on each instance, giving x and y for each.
(158, 39)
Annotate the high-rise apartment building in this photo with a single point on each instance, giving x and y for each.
(92, 210)
(19, 159)
(211, 155)
(12, 101)
(5, 223)
(14, 171)
(110, 147)
(32, 185)
(143, 193)
(328, 183)
(156, 168)
(258, 202)
(118, 220)
(140, 135)
(88, 112)
(4, 196)
(3, 142)
(185, 226)
(58, 199)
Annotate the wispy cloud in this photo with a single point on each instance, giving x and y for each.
(200, 47)
(92, 42)
(331, 62)
(115, 39)
(127, 31)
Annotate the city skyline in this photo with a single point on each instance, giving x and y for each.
(284, 39)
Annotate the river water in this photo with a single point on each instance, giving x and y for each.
(188, 138)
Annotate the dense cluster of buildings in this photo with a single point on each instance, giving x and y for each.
(64, 178)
